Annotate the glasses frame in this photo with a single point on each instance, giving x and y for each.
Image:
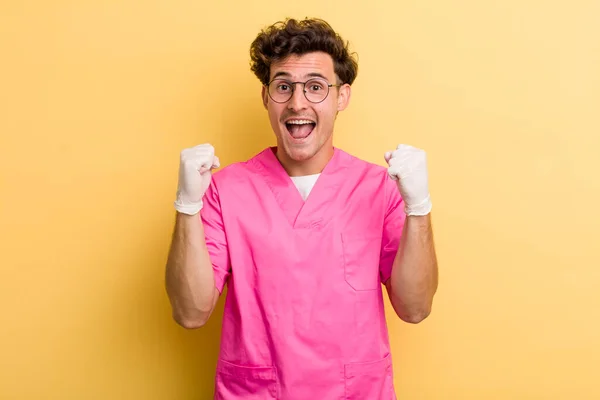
(293, 85)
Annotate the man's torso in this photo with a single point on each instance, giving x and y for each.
(304, 315)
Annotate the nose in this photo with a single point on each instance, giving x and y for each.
(298, 100)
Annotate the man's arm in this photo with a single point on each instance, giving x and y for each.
(190, 280)
(414, 277)
(189, 275)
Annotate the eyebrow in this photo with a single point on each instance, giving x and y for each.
(310, 75)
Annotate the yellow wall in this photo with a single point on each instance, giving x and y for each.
(97, 99)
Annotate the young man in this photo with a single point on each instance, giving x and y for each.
(304, 235)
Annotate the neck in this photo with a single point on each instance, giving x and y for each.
(311, 166)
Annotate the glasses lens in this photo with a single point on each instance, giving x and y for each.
(316, 90)
(280, 90)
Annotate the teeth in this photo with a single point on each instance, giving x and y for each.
(299, 122)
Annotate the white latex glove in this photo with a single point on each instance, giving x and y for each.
(408, 166)
(195, 174)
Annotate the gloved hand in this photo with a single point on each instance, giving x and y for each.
(408, 166)
(196, 164)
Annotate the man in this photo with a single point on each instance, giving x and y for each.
(305, 236)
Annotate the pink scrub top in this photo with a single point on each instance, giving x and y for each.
(304, 312)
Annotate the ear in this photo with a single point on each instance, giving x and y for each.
(343, 99)
(265, 96)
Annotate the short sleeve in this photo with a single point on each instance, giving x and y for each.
(393, 225)
(214, 233)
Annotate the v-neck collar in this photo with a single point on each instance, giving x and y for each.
(312, 212)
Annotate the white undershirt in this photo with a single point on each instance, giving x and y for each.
(305, 183)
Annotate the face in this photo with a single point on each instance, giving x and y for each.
(304, 130)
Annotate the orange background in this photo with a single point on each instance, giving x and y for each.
(97, 99)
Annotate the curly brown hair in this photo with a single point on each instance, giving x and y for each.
(291, 36)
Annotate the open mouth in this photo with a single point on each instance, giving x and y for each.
(300, 128)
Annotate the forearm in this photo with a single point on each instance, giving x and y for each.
(190, 281)
(414, 278)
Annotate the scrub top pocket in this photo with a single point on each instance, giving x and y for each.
(361, 261)
(247, 383)
(370, 380)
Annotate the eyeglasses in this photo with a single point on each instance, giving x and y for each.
(315, 90)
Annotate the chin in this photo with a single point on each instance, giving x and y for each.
(299, 154)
